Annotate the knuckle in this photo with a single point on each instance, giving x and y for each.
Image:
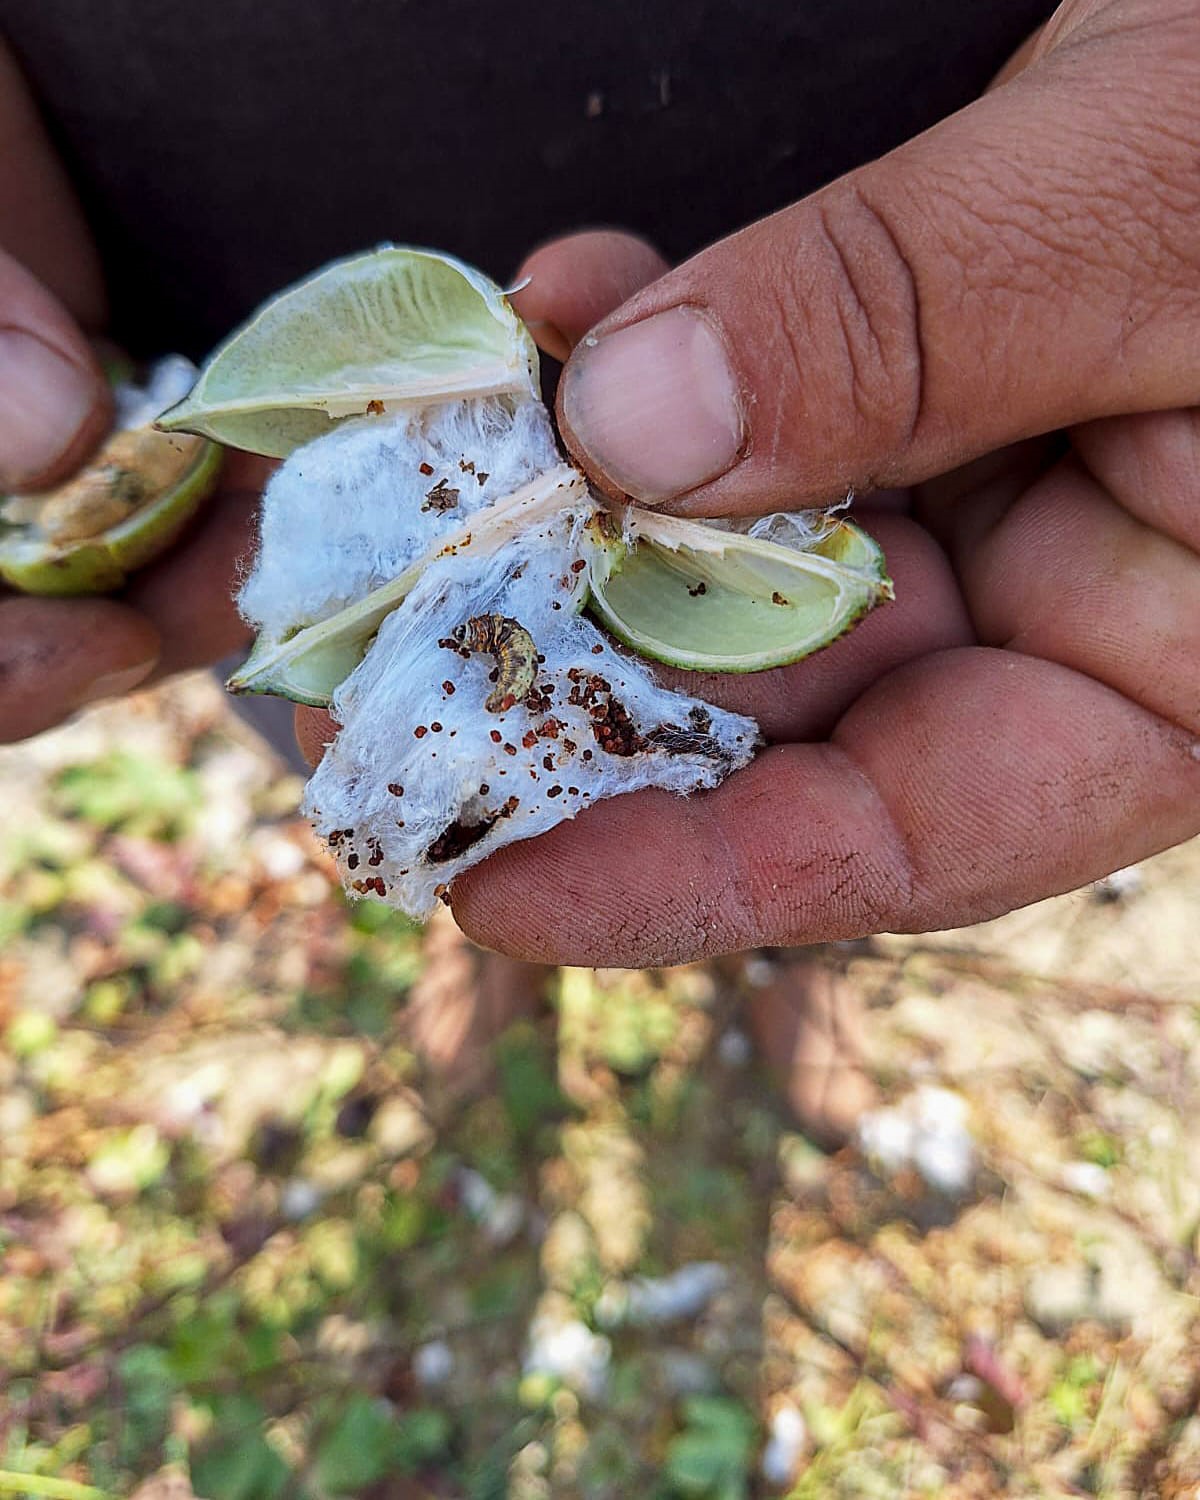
(871, 285)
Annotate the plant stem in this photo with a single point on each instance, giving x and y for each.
(43, 1487)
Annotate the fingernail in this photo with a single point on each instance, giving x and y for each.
(655, 406)
(116, 684)
(44, 401)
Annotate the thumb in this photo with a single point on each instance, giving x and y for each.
(1030, 263)
(54, 400)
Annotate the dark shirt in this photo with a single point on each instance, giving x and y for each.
(224, 147)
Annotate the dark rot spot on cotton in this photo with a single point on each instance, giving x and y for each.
(459, 836)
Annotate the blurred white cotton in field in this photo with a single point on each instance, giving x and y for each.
(787, 1437)
(927, 1130)
(433, 1363)
(649, 1300)
(569, 1351)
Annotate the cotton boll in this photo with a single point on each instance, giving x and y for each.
(788, 1437)
(470, 780)
(683, 1294)
(568, 1350)
(350, 511)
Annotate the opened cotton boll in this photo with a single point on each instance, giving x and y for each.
(426, 557)
(433, 771)
(351, 511)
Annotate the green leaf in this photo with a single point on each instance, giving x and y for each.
(424, 1435)
(148, 1388)
(710, 1458)
(358, 1449)
(240, 1464)
(528, 1082)
(368, 1441)
(131, 792)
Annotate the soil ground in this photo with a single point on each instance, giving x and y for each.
(249, 1248)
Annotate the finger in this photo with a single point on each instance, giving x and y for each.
(1028, 264)
(1021, 58)
(58, 654)
(1150, 463)
(54, 401)
(1070, 575)
(41, 222)
(189, 594)
(579, 279)
(315, 731)
(960, 787)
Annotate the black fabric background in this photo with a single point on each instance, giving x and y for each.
(225, 147)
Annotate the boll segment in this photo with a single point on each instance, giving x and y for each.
(122, 509)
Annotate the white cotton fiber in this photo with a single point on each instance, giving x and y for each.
(424, 781)
(348, 512)
(796, 529)
(437, 763)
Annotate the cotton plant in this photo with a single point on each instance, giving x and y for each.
(481, 625)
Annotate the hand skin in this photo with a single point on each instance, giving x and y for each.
(1026, 717)
(58, 654)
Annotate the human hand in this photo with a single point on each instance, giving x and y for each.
(1027, 716)
(58, 654)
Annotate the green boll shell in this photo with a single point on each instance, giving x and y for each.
(36, 563)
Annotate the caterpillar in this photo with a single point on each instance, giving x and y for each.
(512, 648)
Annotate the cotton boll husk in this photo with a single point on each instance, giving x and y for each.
(347, 513)
(405, 846)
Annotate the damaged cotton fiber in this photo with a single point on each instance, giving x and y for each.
(487, 708)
